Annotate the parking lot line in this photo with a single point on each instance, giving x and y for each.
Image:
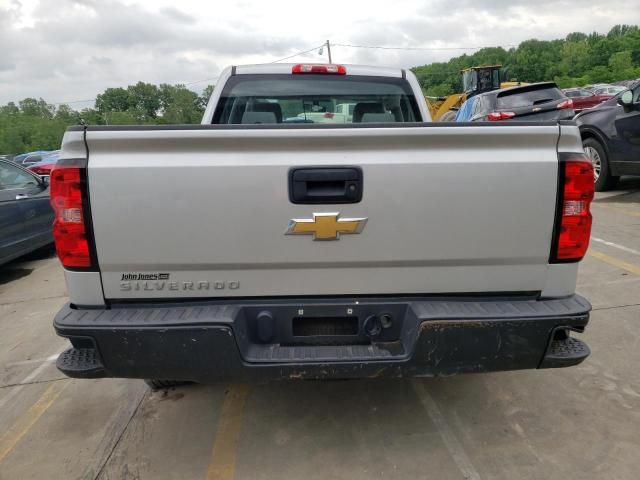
(624, 211)
(225, 445)
(616, 262)
(29, 378)
(453, 445)
(616, 245)
(24, 423)
(34, 360)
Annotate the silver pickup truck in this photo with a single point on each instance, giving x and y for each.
(263, 245)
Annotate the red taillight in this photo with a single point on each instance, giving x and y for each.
(573, 222)
(568, 103)
(325, 68)
(69, 229)
(328, 115)
(497, 116)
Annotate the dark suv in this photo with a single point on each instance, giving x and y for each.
(611, 137)
(537, 102)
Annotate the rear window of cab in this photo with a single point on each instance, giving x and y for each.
(310, 98)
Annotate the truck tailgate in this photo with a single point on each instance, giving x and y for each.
(202, 211)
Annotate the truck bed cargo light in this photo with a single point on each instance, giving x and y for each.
(326, 68)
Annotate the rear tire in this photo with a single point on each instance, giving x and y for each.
(595, 152)
(156, 384)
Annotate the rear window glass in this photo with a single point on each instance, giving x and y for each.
(251, 99)
(33, 159)
(529, 98)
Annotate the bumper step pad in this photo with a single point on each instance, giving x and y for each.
(565, 353)
(81, 363)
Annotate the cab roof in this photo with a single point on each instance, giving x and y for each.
(284, 68)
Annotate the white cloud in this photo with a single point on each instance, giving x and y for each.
(65, 50)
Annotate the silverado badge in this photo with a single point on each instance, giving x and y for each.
(325, 226)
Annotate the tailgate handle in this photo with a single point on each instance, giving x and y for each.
(325, 185)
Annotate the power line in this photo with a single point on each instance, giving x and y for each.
(380, 47)
(72, 101)
(299, 53)
(200, 81)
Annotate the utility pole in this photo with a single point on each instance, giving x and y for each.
(329, 50)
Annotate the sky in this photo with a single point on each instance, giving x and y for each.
(71, 50)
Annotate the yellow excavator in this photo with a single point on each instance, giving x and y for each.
(475, 80)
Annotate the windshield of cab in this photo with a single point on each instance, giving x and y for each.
(274, 99)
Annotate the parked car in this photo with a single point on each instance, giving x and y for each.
(583, 98)
(531, 103)
(25, 213)
(627, 83)
(319, 251)
(611, 137)
(595, 86)
(609, 90)
(26, 159)
(44, 166)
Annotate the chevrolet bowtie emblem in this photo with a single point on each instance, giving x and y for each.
(325, 226)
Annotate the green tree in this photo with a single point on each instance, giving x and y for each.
(575, 58)
(205, 96)
(113, 100)
(67, 115)
(179, 104)
(600, 74)
(577, 37)
(144, 99)
(621, 30)
(124, 118)
(91, 116)
(621, 65)
(9, 109)
(533, 59)
(36, 108)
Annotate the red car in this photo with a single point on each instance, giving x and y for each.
(583, 99)
(44, 166)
